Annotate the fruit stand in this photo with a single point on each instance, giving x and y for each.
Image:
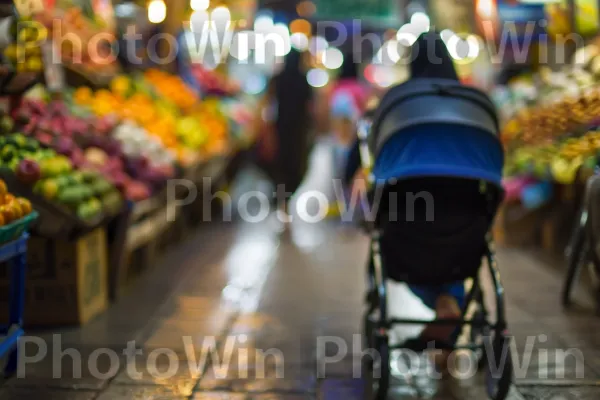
(92, 149)
(552, 140)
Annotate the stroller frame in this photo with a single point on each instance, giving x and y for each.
(493, 337)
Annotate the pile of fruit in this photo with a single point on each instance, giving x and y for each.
(12, 208)
(89, 145)
(157, 118)
(172, 88)
(85, 193)
(25, 53)
(544, 124)
(559, 161)
(182, 124)
(73, 22)
(53, 176)
(213, 82)
(215, 124)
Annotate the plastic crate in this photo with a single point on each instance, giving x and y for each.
(15, 229)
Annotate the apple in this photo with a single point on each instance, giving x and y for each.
(44, 137)
(28, 171)
(65, 146)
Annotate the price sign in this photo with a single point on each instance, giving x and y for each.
(53, 69)
(27, 8)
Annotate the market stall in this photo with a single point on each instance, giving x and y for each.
(92, 146)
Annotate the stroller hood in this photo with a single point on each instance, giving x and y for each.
(436, 127)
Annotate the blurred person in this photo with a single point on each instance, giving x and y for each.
(430, 59)
(347, 102)
(283, 129)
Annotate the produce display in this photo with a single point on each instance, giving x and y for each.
(560, 161)
(75, 23)
(166, 109)
(88, 144)
(543, 124)
(54, 177)
(552, 134)
(212, 82)
(24, 53)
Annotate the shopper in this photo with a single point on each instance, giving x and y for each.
(283, 128)
(347, 102)
(430, 59)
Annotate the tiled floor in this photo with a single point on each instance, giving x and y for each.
(238, 312)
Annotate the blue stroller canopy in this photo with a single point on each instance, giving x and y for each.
(436, 128)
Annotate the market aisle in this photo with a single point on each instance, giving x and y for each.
(240, 288)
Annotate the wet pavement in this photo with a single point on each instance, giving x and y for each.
(239, 311)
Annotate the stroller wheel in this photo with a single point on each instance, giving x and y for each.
(499, 371)
(377, 376)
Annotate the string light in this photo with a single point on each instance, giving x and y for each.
(157, 11)
(199, 5)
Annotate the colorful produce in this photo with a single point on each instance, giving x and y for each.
(87, 144)
(560, 161)
(53, 177)
(74, 23)
(12, 208)
(86, 193)
(173, 88)
(212, 82)
(25, 53)
(166, 109)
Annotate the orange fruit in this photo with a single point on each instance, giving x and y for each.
(3, 188)
(25, 205)
(7, 213)
(8, 198)
(17, 210)
(1, 220)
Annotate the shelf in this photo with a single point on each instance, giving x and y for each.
(14, 248)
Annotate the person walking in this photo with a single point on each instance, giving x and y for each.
(283, 130)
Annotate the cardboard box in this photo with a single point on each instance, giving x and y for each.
(67, 281)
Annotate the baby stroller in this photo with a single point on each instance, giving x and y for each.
(438, 136)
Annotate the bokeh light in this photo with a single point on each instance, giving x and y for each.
(199, 5)
(263, 22)
(318, 44)
(157, 11)
(317, 77)
(306, 8)
(301, 26)
(299, 41)
(332, 58)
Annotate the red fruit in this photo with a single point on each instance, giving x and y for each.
(28, 171)
(44, 138)
(45, 125)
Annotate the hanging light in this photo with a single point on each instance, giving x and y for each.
(306, 8)
(318, 44)
(157, 11)
(332, 58)
(221, 16)
(421, 22)
(317, 77)
(299, 41)
(199, 5)
(301, 26)
(263, 22)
